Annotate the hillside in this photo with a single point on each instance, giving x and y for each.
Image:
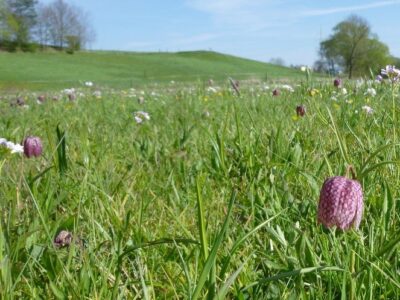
(51, 70)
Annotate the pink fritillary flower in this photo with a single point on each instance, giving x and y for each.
(340, 203)
(300, 110)
(33, 146)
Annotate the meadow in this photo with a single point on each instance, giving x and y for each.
(213, 196)
(48, 70)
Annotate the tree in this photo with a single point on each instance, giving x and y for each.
(277, 61)
(20, 20)
(354, 48)
(61, 24)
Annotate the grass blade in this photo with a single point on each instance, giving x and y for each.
(213, 253)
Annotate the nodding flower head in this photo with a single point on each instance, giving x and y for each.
(392, 73)
(300, 110)
(337, 82)
(340, 203)
(32, 146)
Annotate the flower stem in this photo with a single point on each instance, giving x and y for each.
(350, 169)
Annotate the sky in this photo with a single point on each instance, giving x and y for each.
(255, 29)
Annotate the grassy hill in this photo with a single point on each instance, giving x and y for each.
(51, 70)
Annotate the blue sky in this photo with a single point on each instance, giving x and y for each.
(257, 29)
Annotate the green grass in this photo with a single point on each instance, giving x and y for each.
(53, 70)
(186, 206)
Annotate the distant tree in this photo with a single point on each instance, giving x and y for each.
(20, 19)
(277, 61)
(43, 25)
(60, 23)
(354, 48)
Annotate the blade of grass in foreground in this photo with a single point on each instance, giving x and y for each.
(224, 289)
(213, 253)
(243, 239)
(203, 236)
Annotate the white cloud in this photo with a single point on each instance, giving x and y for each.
(334, 10)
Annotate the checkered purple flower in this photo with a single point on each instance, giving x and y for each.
(33, 146)
(340, 203)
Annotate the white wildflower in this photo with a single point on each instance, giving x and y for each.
(97, 94)
(359, 83)
(344, 91)
(370, 92)
(69, 91)
(89, 83)
(211, 89)
(141, 116)
(287, 87)
(14, 148)
(367, 109)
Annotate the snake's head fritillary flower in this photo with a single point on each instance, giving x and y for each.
(41, 99)
(392, 73)
(71, 97)
(337, 82)
(300, 110)
(63, 239)
(20, 101)
(340, 203)
(276, 92)
(141, 116)
(32, 146)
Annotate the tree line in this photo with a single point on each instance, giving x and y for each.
(29, 25)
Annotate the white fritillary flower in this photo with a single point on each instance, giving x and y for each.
(141, 116)
(370, 92)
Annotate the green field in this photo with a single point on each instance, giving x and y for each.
(54, 70)
(214, 197)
